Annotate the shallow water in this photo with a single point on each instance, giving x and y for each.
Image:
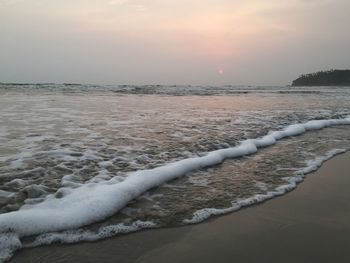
(54, 139)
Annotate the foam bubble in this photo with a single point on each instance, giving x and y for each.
(9, 243)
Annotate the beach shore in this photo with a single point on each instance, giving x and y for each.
(309, 224)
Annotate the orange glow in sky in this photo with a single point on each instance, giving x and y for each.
(171, 41)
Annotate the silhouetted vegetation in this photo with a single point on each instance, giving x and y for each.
(324, 78)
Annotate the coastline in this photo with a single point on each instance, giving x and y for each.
(309, 224)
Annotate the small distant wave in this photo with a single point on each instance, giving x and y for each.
(170, 90)
(93, 202)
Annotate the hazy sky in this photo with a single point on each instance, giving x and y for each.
(215, 42)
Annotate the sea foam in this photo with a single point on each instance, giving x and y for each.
(95, 201)
(291, 183)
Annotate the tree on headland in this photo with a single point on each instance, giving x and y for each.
(333, 77)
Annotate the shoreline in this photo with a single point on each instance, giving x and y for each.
(309, 224)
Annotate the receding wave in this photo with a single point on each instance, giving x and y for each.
(91, 202)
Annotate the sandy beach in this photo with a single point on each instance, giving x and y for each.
(309, 224)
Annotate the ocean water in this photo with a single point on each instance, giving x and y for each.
(85, 162)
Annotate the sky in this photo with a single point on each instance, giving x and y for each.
(198, 42)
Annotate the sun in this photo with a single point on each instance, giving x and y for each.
(221, 71)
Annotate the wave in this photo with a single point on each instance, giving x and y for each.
(79, 235)
(170, 90)
(93, 202)
(292, 182)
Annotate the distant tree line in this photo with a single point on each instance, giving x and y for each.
(332, 77)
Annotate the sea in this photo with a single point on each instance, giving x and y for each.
(86, 162)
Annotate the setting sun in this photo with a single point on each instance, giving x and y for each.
(221, 71)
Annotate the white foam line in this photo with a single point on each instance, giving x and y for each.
(292, 182)
(78, 235)
(94, 202)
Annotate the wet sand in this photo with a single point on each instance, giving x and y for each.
(310, 224)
